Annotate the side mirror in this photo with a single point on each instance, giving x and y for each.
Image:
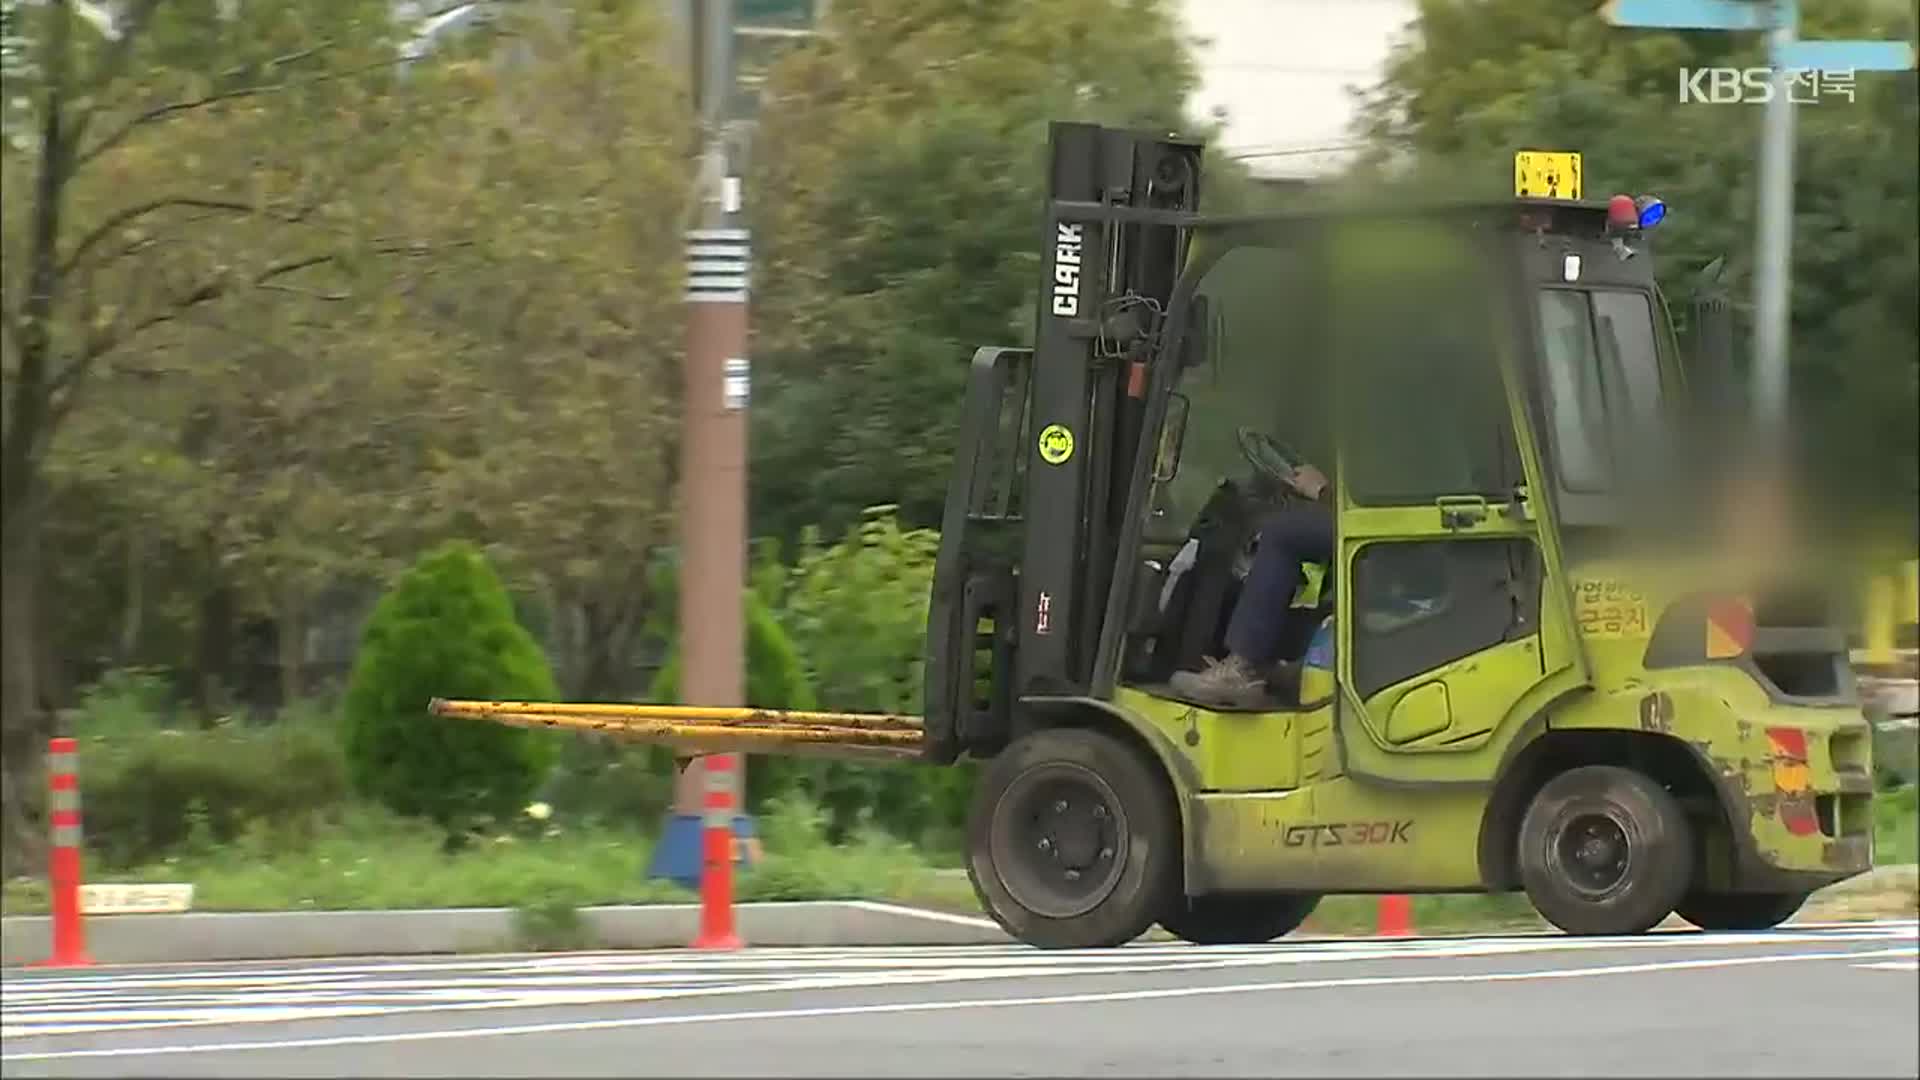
(1710, 326)
(1173, 439)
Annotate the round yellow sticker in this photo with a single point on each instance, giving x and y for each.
(1056, 444)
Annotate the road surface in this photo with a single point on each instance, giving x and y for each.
(1819, 1001)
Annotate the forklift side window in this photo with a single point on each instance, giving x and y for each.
(1575, 400)
(1262, 370)
(1603, 381)
(1625, 324)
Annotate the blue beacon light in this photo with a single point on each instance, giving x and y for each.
(1651, 211)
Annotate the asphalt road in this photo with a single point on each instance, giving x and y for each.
(1802, 1001)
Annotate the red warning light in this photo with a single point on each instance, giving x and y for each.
(1622, 213)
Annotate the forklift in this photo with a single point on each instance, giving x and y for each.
(1506, 674)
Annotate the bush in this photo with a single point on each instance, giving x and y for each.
(447, 629)
(166, 792)
(857, 610)
(125, 701)
(776, 679)
(1895, 812)
(551, 925)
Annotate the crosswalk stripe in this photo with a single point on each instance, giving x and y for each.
(39, 1004)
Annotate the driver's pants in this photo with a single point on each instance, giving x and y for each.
(1300, 532)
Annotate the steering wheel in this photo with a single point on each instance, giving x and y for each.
(1269, 456)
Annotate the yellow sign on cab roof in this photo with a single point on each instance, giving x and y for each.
(1546, 174)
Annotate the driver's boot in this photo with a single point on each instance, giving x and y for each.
(1232, 683)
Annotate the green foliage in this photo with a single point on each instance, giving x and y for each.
(858, 614)
(445, 630)
(1475, 80)
(1896, 825)
(776, 679)
(803, 863)
(163, 793)
(897, 165)
(552, 925)
(125, 701)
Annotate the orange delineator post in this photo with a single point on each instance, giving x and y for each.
(63, 862)
(721, 802)
(1396, 916)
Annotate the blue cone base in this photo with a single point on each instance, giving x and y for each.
(677, 857)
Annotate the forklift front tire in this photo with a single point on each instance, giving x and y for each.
(1238, 918)
(1605, 851)
(1073, 841)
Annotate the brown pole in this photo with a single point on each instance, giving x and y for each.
(713, 471)
(713, 451)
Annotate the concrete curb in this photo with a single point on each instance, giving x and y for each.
(282, 935)
(279, 935)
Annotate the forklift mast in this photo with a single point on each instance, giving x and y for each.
(1044, 463)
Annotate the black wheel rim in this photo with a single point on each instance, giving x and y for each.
(1060, 840)
(1593, 853)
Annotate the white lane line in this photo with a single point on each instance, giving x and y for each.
(1892, 965)
(527, 989)
(973, 921)
(93, 1021)
(1548, 974)
(91, 1010)
(788, 960)
(929, 955)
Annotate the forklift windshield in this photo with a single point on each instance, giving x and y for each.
(1392, 331)
(1384, 369)
(1602, 379)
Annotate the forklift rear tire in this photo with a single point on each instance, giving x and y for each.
(1740, 911)
(1073, 840)
(1238, 918)
(1605, 850)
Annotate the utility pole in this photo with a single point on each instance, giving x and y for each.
(1773, 242)
(713, 457)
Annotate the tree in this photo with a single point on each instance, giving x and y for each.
(555, 335)
(175, 164)
(1475, 80)
(895, 176)
(447, 629)
(307, 316)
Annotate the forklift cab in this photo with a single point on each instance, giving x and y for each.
(1331, 343)
(1110, 479)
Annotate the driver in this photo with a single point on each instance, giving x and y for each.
(1295, 533)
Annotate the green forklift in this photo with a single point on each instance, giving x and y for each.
(1526, 661)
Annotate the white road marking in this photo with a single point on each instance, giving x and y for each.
(1355, 982)
(922, 913)
(1892, 965)
(54, 1005)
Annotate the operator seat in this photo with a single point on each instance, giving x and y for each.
(1176, 629)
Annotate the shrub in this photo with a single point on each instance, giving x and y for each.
(126, 701)
(551, 925)
(776, 679)
(164, 792)
(857, 610)
(447, 629)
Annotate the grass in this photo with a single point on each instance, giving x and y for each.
(372, 860)
(1896, 826)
